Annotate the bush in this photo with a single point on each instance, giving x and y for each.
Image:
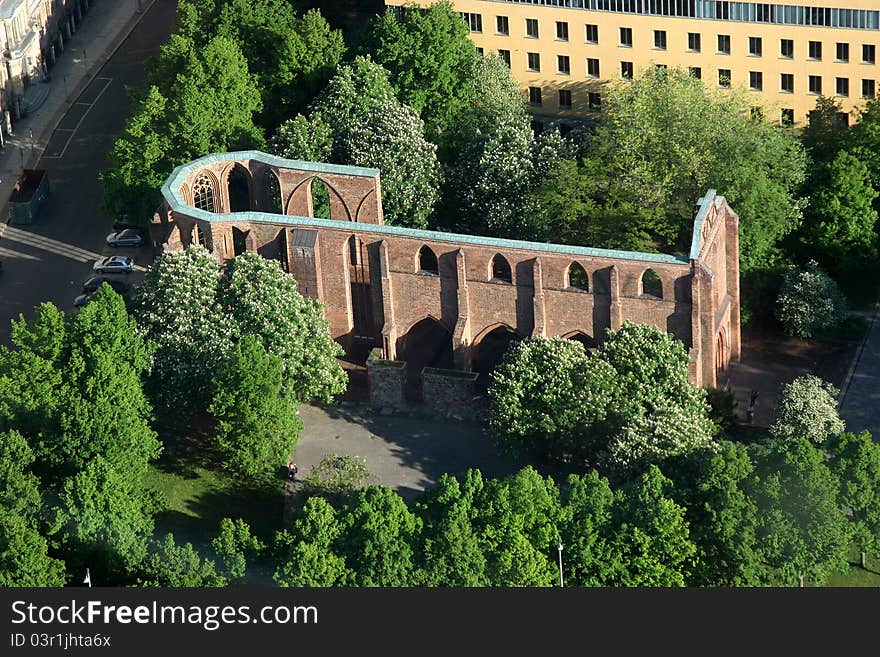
(809, 302)
(807, 408)
(337, 476)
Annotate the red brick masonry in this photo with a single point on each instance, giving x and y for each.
(377, 282)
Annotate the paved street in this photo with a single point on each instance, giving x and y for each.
(49, 259)
(861, 402)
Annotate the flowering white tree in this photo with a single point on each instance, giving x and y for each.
(358, 120)
(627, 407)
(491, 182)
(300, 138)
(547, 395)
(807, 408)
(177, 312)
(391, 139)
(264, 302)
(660, 413)
(809, 301)
(666, 432)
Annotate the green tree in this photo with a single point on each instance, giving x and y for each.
(104, 521)
(264, 302)
(256, 428)
(170, 565)
(379, 534)
(205, 103)
(809, 301)
(549, 397)
(667, 140)
(212, 102)
(24, 551)
(235, 545)
(31, 375)
(807, 408)
(309, 554)
(580, 206)
(591, 555)
(864, 139)
(855, 461)
(103, 410)
(714, 489)
(840, 221)
(24, 555)
(78, 393)
(518, 524)
(428, 54)
(141, 158)
(802, 529)
(451, 551)
(290, 56)
(826, 132)
(651, 534)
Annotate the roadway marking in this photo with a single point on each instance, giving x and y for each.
(72, 132)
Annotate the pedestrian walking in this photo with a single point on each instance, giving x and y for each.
(292, 469)
(750, 413)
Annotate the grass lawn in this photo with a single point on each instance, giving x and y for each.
(199, 494)
(857, 576)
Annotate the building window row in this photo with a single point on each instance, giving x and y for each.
(536, 99)
(814, 84)
(756, 78)
(722, 10)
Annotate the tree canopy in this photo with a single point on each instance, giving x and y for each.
(428, 54)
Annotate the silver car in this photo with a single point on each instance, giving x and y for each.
(114, 264)
(127, 237)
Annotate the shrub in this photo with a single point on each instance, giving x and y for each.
(337, 476)
(807, 408)
(809, 301)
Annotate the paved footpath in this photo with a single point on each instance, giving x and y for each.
(860, 406)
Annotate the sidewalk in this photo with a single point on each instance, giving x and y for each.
(103, 29)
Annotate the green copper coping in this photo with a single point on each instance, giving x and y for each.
(180, 173)
(177, 204)
(700, 218)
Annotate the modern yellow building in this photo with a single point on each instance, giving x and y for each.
(565, 51)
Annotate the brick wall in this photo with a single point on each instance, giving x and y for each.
(386, 380)
(370, 280)
(451, 393)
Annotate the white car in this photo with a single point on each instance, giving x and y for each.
(114, 264)
(127, 237)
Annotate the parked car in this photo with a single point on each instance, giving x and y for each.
(122, 223)
(127, 237)
(93, 283)
(114, 264)
(83, 299)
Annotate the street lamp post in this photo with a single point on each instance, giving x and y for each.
(559, 547)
